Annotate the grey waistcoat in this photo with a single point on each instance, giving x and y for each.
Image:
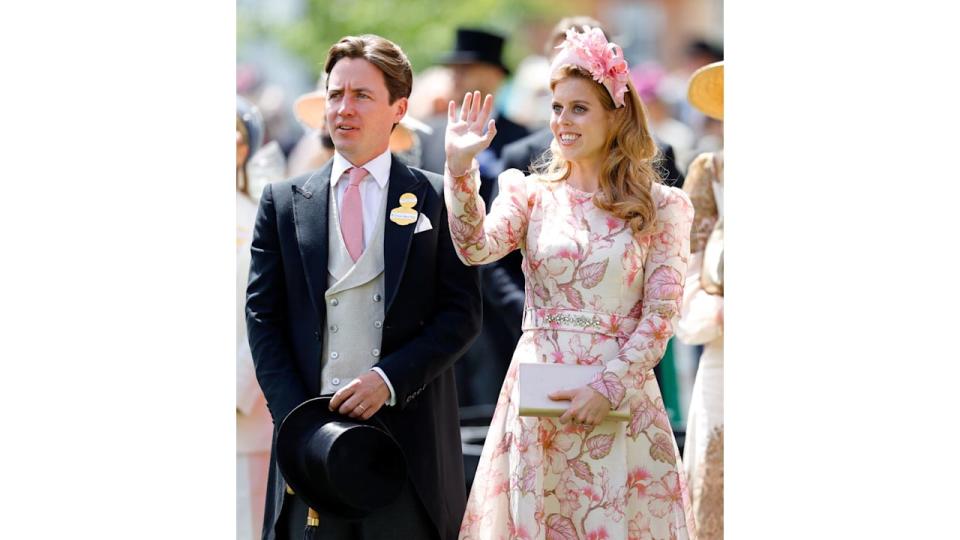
(355, 304)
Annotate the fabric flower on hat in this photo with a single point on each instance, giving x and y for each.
(604, 61)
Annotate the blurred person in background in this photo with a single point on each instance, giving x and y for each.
(315, 147)
(701, 319)
(432, 90)
(648, 79)
(351, 296)
(254, 426)
(476, 63)
(271, 99)
(707, 131)
(598, 201)
(529, 100)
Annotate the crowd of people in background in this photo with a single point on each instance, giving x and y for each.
(689, 142)
(522, 105)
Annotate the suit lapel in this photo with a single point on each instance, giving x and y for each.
(310, 204)
(396, 238)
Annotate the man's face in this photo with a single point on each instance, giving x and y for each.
(359, 114)
(469, 77)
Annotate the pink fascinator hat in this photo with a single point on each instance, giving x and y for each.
(604, 61)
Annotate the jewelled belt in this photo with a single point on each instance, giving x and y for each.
(590, 322)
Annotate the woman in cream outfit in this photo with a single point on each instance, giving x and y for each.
(701, 321)
(254, 425)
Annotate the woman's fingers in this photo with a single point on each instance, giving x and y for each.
(487, 108)
(475, 109)
(452, 111)
(465, 108)
(491, 130)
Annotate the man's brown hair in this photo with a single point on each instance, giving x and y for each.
(381, 52)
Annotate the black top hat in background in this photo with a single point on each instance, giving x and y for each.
(339, 466)
(475, 46)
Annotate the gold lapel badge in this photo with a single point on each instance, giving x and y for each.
(405, 214)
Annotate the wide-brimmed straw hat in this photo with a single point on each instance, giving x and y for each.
(309, 108)
(706, 90)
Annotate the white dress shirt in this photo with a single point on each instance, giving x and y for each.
(373, 188)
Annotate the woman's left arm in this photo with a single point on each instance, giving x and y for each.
(664, 270)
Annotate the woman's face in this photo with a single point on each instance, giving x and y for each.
(579, 121)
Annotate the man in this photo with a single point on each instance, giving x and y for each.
(476, 64)
(350, 295)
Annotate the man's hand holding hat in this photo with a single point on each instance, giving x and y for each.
(362, 397)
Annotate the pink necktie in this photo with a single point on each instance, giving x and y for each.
(351, 213)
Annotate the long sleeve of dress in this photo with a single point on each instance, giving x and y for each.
(701, 317)
(665, 267)
(480, 238)
(702, 313)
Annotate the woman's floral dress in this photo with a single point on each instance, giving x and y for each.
(595, 294)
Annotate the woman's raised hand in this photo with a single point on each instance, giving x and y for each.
(465, 136)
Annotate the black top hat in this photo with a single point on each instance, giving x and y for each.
(339, 466)
(474, 46)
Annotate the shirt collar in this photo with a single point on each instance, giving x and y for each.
(378, 167)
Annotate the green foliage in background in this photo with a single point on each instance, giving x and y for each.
(424, 28)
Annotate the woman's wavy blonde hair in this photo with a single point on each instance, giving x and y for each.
(628, 172)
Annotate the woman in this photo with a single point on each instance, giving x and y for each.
(701, 321)
(254, 426)
(605, 250)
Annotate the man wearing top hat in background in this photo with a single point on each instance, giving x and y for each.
(355, 290)
(477, 64)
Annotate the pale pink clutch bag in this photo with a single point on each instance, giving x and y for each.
(536, 381)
